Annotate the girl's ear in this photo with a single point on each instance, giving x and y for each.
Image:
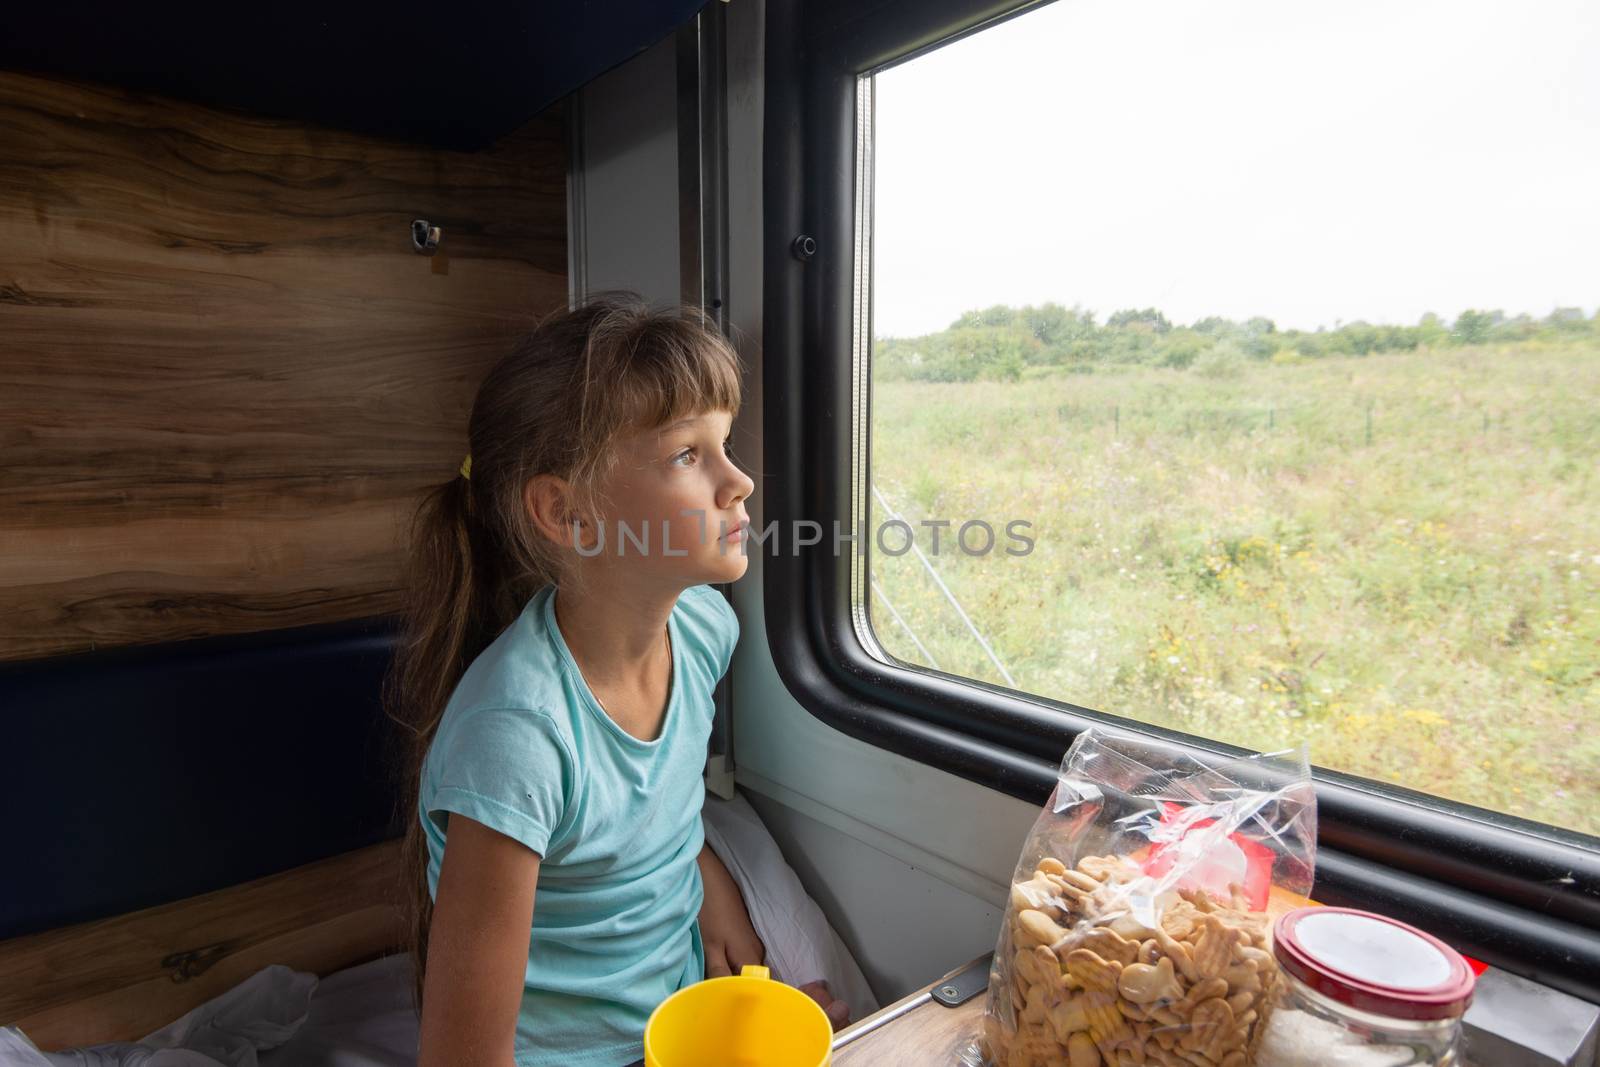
(548, 502)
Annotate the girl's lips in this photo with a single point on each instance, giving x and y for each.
(736, 532)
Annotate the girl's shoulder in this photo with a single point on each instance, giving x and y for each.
(706, 617)
(706, 598)
(520, 668)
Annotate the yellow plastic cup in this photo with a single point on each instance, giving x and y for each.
(746, 1020)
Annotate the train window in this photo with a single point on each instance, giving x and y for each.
(1236, 369)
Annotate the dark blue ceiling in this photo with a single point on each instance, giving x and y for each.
(455, 74)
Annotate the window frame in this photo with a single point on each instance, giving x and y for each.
(1510, 892)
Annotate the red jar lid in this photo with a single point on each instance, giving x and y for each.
(1373, 963)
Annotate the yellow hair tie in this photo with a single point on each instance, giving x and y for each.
(466, 468)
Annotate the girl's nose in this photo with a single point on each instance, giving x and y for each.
(738, 486)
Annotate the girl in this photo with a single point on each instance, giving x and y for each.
(560, 651)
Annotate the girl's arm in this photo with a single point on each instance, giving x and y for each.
(729, 938)
(477, 948)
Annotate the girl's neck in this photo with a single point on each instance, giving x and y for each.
(617, 635)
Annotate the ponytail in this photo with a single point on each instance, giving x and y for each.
(446, 624)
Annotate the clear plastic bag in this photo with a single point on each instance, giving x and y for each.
(1137, 929)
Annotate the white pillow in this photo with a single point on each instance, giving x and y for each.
(801, 946)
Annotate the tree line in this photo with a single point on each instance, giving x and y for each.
(999, 342)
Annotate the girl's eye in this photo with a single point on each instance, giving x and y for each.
(687, 457)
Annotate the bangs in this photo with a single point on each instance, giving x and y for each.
(665, 369)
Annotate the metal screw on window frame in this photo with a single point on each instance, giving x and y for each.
(950, 992)
(804, 247)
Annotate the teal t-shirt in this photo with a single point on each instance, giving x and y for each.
(525, 748)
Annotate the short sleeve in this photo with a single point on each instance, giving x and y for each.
(509, 769)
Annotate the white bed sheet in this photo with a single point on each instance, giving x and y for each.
(360, 1017)
(278, 1017)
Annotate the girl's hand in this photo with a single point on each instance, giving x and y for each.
(731, 942)
(838, 1011)
(729, 939)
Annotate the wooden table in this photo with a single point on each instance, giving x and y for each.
(927, 1035)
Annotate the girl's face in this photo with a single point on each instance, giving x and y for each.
(676, 503)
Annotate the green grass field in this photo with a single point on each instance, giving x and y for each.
(1395, 559)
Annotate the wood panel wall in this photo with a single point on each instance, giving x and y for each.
(224, 372)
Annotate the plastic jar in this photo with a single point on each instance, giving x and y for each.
(1361, 990)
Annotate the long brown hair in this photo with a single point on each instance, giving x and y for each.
(555, 404)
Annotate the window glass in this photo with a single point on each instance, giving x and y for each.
(1262, 340)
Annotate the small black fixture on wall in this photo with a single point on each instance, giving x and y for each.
(425, 236)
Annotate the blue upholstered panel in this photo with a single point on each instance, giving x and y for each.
(144, 775)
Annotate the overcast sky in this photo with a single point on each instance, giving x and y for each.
(1311, 162)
